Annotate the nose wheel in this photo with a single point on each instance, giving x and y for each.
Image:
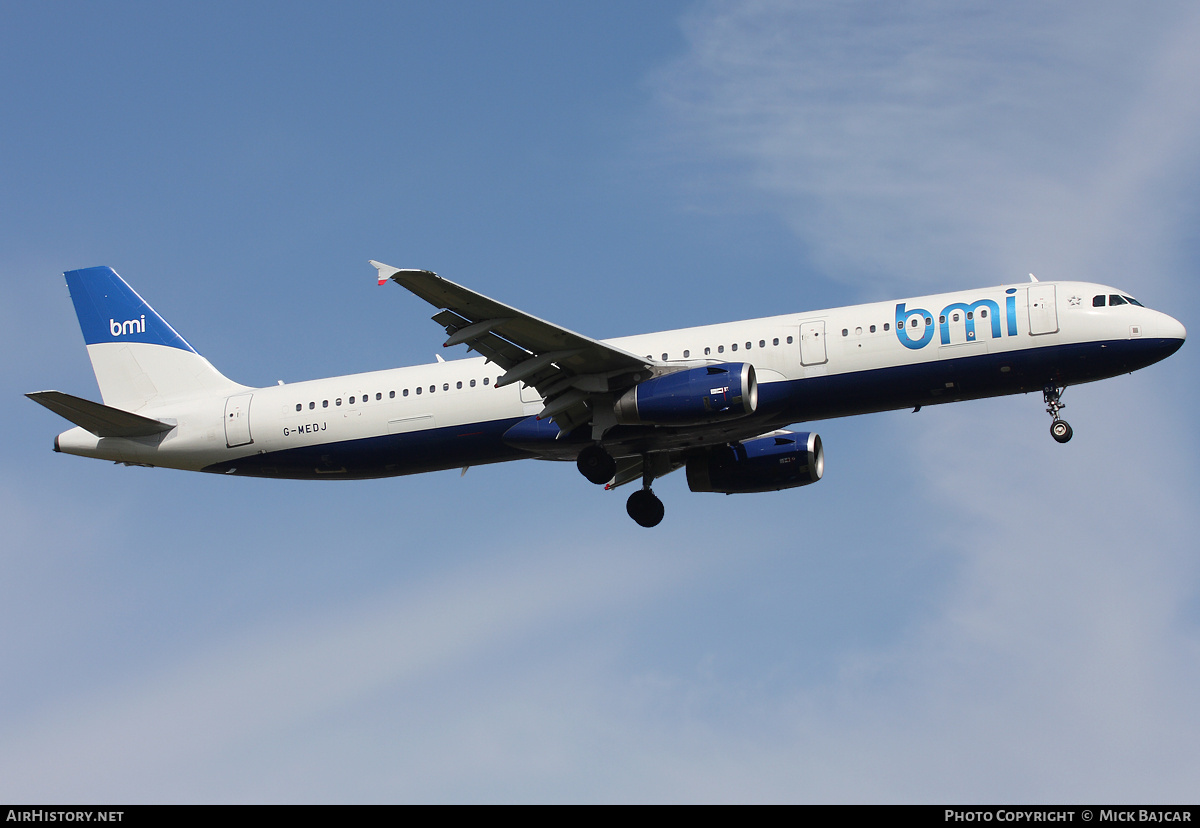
(1060, 429)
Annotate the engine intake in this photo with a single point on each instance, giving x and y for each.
(766, 464)
(691, 397)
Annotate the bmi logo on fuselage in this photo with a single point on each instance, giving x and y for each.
(130, 326)
(986, 309)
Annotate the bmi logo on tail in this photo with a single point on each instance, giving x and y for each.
(130, 326)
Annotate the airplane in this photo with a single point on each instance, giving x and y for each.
(715, 400)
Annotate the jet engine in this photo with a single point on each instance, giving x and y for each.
(782, 460)
(691, 397)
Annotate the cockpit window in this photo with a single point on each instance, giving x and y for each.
(1133, 301)
(1114, 300)
(1098, 301)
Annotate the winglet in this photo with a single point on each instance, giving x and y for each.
(385, 271)
(388, 272)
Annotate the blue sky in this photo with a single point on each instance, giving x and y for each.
(961, 610)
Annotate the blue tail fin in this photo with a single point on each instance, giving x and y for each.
(138, 358)
(111, 311)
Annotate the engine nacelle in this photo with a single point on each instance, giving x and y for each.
(691, 397)
(766, 464)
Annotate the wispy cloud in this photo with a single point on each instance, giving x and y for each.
(948, 145)
(180, 730)
(927, 143)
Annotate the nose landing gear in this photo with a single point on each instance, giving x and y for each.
(1060, 429)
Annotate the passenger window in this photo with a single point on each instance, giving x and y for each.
(391, 395)
(912, 324)
(485, 380)
(458, 384)
(379, 396)
(982, 313)
(970, 314)
(686, 353)
(762, 343)
(1098, 301)
(928, 320)
(664, 358)
(352, 400)
(707, 351)
(872, 329)
(942, 319)
(858, 331)
(299, 406)
(720, 349)
(845, 332)
(954, 318)
(338, 401)
(405, 392)
(432, 388)
(775, 341)
(733, 347)
(472, 383)
(419, 390)
(1114, 300)
(311, 406)
(747, 346)
(789, 340)
(324, 403)
(887, 326)
(445, 386)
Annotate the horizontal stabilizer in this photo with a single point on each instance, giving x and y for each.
(101, 420)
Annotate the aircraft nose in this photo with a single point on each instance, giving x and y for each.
(1173, 329)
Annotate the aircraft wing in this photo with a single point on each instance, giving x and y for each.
(566, 368)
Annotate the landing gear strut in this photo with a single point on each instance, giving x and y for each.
(643, 505)
(1060, 429)
(596, 464)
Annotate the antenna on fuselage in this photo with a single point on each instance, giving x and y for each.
(1032, 278)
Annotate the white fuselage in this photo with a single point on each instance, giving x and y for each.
(827, 349)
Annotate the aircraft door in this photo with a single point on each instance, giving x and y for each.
(237, 420)
(1043, 314)
(812, 343)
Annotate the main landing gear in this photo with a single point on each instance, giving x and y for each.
(1060, 429)
(645, 508)
(596, 464)
(643, 505)
(599, 467)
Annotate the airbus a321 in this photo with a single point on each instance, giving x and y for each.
(715, 400)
